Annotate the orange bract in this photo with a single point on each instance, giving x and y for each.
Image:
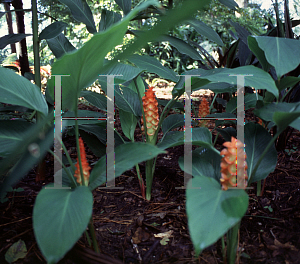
(203, 111)
(151, 111)
(233, 165)
(85, 166)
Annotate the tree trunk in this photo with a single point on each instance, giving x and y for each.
(23, 57)
(9, 25)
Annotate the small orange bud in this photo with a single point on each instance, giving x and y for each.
(203, 111)
(233, 165)
(85, 166)
(151, 111)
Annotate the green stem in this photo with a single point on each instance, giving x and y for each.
(258, 188)
(232, 242)
(223, 249)
(93, 236)
(72, 179)
(149, 178)
(212, 103)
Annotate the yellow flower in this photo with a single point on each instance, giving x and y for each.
(233, 165)
(85, 166)
(151, 112)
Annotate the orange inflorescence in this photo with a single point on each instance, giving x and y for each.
(233, 165)
(203, 111)
(151, 111)
(85, 166)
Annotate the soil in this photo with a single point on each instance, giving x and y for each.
(127, 225)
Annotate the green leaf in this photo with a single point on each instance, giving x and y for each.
(108, 18)
(128, 100)
(128, 123)
(275, 112)
(181, 46)
(229, 3)
(60, 45)
(286, 82)
(86, 67)
(33, 147)
(12, 38)
(200, 137)
(206, 31)
(154, 66)
(204, 162)
(215, 209)
(69, 118)
(81, 12)
(17, 251)
(11, 133)
(17, 90)
(249, 101)
(53, 30)
(125, 5)
(171, 122)
(258, 52)
(126, 156)
(259, 80)
(60, 216)
(256, 139)
(282, 53)
(96, 99)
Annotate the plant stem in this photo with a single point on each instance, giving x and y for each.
(212, 103)
(149, 178)
(93, 236)
(72, 179)
(232, 242)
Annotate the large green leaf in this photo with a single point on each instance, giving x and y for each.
(53, 30)
(82, 13)
(259, 80)
(256, 139)
(249, 101)
(11, 133)
(60, 45)
(282, 53)
(258, 52)
(270, 112)
(205, 162)
(128, 123)
(126, 156)
(128, 100)
(60, 216)
(229, 3)
(171, 122)
(87, 62)
(29, 151)
(11, 38)
(181, 46)
(96, 99)
(108, 18)
(206, 31)
(17, 90)
(212, 211)
(125, 5)
(154, 66)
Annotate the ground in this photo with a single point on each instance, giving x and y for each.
(126, 224)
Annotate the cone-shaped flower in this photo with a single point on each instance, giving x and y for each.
(233, 165)
(151, 112)
(85, 166)
(203, 111)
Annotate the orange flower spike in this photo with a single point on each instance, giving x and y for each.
(233, 164)
(151, 112)
(203, 111)
(85, 166)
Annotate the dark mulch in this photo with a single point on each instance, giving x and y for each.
(269, 233)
